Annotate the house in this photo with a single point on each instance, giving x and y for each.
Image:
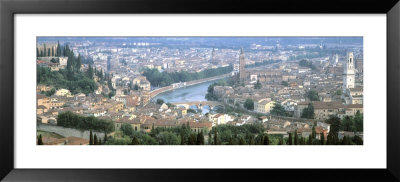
(43, 88)
(117, 106)
(80, 97)
(323, 110)
(99, 112)
(54, 66)
(43, 100)
(142, 82)
(41, 109)
(264, 106)
(135, 123)
(163, 107)
(217, 119)
(56, 104)
(165, 123)
(263, 119)
(200, 126)
(320, 130)
(63, 92)
(182, 112)
(356, 95)
(145, 85)
(245, 118)
(63, 61)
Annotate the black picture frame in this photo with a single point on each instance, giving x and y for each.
(9, 8)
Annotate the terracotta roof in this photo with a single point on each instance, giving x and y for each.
(354, 106)
(161, 122)
(200, 125)
(318, 129)
(324, 105)
(127, 120)
(41, 107)
(40, 96)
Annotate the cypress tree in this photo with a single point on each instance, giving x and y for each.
(290, 140)
(266, 140)
(40, 141)
(313, 133)
(91, 138)
(95, 141)
(280, 141)
(200, 138)
(192, 139)
(79, 63)
(182, 139)
(90, 72)
(309, 140)
(99, 141)
(322, 139)
(296, 139)
(344, 141)
(44, 50)
(215, 136)
(230, 141)
(101, 74)
(105, 137)
(37, 52)
(241, 141)
(183, 130)
(135, 141)
(58, 49)
(251, 140)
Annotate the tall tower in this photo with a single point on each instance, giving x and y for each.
(336, 58)
(212, 56)
(348, 73)
(242, 63)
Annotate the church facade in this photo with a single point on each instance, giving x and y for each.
(254, 75)
(351, 93)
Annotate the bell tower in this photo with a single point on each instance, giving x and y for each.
(349, 73)
(242, 71)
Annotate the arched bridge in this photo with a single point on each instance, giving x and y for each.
(198, 104)
(154, 93)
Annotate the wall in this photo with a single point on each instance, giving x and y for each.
(66, 132)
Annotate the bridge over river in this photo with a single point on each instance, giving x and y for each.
(154, 93)
(198, 104)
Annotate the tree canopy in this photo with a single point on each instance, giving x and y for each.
(308, 112)
(72, 120)
(163, 79)
(249, 104)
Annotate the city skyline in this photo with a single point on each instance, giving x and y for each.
(200, 90)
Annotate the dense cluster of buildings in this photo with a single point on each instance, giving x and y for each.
(337, 80)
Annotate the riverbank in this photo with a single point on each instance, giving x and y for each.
(158, 91)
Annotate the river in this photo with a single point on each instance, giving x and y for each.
(187, 94)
